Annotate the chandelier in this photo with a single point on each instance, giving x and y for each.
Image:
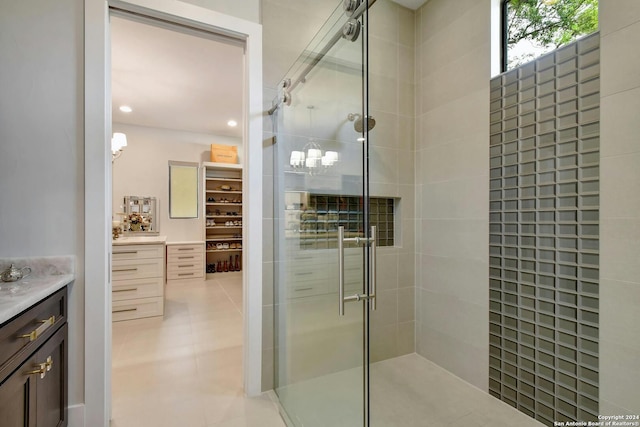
(312, 159)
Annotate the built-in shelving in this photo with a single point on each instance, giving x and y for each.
(217, 176)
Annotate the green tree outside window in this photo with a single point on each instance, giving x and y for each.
(535, 27)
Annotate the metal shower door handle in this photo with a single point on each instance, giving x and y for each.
(372, 268)
(371, 296)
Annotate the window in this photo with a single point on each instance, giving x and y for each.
(531, 28)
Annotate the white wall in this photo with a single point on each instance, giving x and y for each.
(41, 146)
(143, 170)
(620, 207)
(452, 185)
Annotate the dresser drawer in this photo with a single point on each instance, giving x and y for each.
(137, 288)
(137, 268)
(306, 289)
(308, 257)
(174, 251)
(185, 273)
(310, 273)
(27, 331)
(137, 308)
(185, 258)
(120, 252)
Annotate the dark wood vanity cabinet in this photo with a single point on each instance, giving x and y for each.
(33, 380)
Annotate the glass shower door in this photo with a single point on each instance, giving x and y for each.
(321, 230)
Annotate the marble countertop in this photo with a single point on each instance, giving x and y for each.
(139, 240)
(48, 275)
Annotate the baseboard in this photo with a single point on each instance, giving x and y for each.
(76, 415)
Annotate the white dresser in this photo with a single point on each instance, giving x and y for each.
(138, 277)
(185, 260)
(312, 272)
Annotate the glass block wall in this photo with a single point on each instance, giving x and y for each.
(544, 228)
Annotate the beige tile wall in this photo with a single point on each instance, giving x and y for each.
(453, 72)
(392, 104)
(620, 207)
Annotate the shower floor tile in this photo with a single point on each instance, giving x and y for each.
(407, 391)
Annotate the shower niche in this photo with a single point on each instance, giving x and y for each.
(314, 218)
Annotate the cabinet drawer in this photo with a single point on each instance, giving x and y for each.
(137, 252)
(137, 308)
(30, 329)
(306, 289)
(186, 273)
(137, 268)
(305, 258)
(183, 258)
(183, 250)
(184, 266)
(136, 288)
(318, 272)
(29, 398)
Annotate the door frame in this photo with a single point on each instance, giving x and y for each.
(97, 188)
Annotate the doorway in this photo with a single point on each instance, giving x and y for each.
(97, 187)
(175, 91)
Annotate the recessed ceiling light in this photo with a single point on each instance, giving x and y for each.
(232, 123)
(125, 109)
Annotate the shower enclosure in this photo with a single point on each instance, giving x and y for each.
(325, 245)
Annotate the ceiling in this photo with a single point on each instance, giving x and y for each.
(175, 80)
(411, 4)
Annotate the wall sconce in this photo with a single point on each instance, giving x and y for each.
(118, 142)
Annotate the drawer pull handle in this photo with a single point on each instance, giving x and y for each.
(185, 274)
(125, 290)
(33, 335)
(126, 269)
(303, 289)
(307, 273)
(49, 363)
(186, 257)
(185, 249)
(186, 265)
(42, 370)
(125, 252)
(124, 310)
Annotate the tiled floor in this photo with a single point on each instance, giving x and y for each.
(186, 370)
(406, 391)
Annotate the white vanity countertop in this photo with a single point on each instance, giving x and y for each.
(186, 242)
(49, 275)
(139, 240)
